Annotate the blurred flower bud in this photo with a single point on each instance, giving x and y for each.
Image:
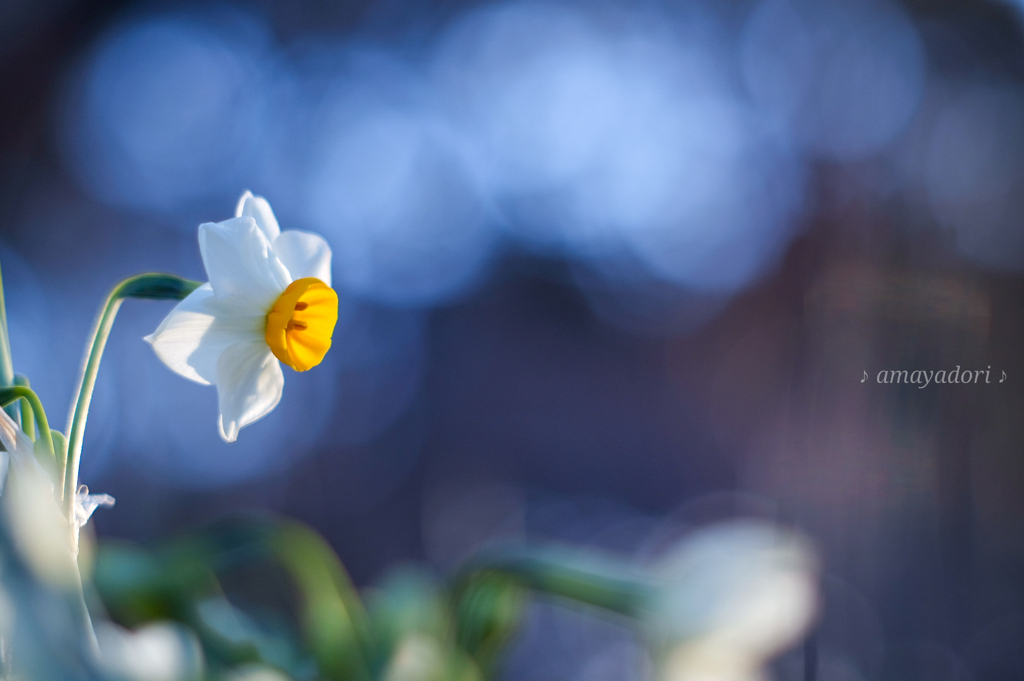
(731, 597)
(420, 657)
(417, 657)
(156, 652)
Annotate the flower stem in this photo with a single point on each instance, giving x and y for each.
(28, 421)
(6, 361)
(149, 286)
(22, 392)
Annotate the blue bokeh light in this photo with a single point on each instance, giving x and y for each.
(972, 172)
(533, 88)
(167, 110)
(580, 133)
(596, 138)
(387, 186)
(841, 77)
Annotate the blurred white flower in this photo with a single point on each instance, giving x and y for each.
(732, 597)
(156, 652)
(269, 297)
(39, 530)
(418, 657)
(255, 673)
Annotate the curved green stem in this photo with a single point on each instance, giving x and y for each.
(21, 392)
(28, 421)
(60, 450)
(583, 578)
(6, 363)
(488, 592)
(83, 397)
(149, 286)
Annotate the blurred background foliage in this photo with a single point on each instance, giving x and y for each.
(609, 271)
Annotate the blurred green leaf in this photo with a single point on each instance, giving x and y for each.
(181, 580)
(488, 612)
(406, 602)
(334, 621)
(138, 586)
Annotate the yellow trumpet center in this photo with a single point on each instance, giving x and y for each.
(300, 325)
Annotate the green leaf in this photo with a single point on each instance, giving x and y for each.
(332, 619)
(488, 613)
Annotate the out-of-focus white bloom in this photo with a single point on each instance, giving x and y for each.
(732, 597)
(255, 673)
(39, 530)
(268, 299)
(418, 657)
(156, 652)
(37, 524)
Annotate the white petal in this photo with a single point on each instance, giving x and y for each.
(304, 254)
(20, 453)
(249, 385)
(86, 504)
(257, 208)
(17, 443)
(192, 337)
(241, 264)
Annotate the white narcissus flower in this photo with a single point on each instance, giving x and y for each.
(268, 299)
